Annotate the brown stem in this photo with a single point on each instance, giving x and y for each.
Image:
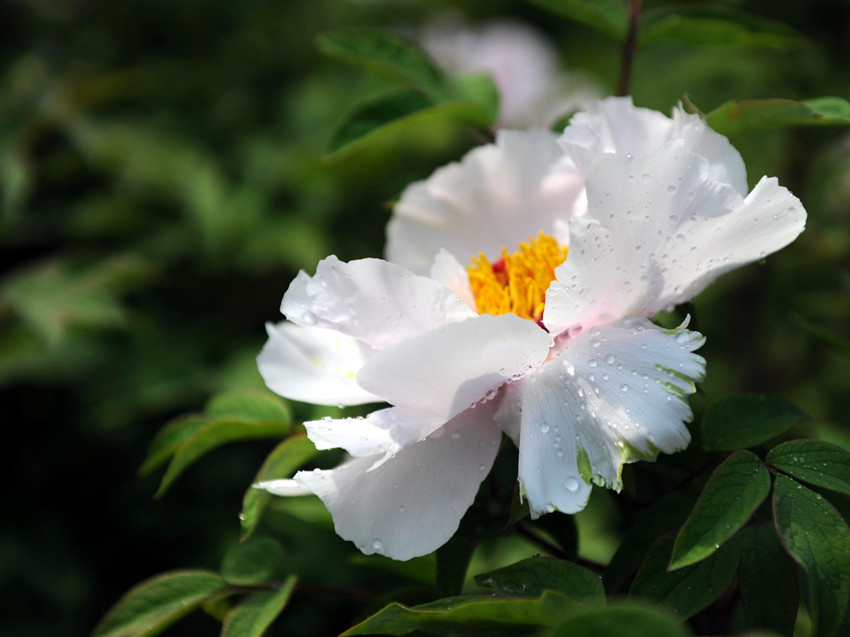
(629, 47)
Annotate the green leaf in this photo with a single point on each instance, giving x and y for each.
(388, 113)
(739, 422)
(250, 407)
(214, 434)
(387, 52)
(531, 576)
(255, 561)
(253, 616)
(716, 26)
(816, 462)
(155, 604)
(481, 89)
(282, 462)
(817, 537)
(168, 440)
(687, 590)
(494, 615)
(735, 490)
(622, 620)
(767, 579)
(611, 17)
(735, 117)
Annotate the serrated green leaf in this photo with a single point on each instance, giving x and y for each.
(248, 406)
(739, 422)
(168, 440)
(732, 494)
(611, 17)
(390, 112)
(687, 590)
(767, 579)
(387, 52)
(494, 615)
(214, 434)
(282, 462)
(622, 620)
(721, 26)
(817, 537)
(530, 577)
(155, 604)
(255, 561)
(814, 461)
(735, 117)
(253, 616)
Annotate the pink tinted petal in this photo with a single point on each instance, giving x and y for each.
(443, 372)
(412, 503)
(313, 365)
(372, 300)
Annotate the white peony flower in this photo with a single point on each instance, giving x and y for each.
(545, 335)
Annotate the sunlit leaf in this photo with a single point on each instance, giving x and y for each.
(687, 590)
(817, 537)
(608, 16)
(282, 462)
(253, 616)
(814, 461)
(739, 422)
(155, 604)
(253, 407)
(255, 561)
(732, 494)
(532, 576)
(387, 52)
(735, 117)
(767, 579)
(622, 620)
(496, 616)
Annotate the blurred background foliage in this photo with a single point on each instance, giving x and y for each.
(161, 182)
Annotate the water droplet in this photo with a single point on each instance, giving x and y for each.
(378, 545)
(482, 467)
(671, 188)
(682, 337)
(544, 427)
(624, 387)
(401, 509)
(592, 362)
(609, 359)
(571, 484)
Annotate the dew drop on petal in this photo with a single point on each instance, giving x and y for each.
(377, 544)
(609, 359)
(682, 337)
(624, 387)
(571, 484)
(544, 427)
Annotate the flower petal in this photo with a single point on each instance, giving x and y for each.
(313, 365)
(412, 503)
(659, 229)
(445, 371)
(615, 394)
(448, 271)
(372, 300)
(497, 196)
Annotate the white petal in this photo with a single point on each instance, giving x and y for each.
(659, 229)
(283, 488)
(313, 365)
(615, 394)
(372, 300)
(497, 196)
(448, 271)
(412, 503)
(443, 372)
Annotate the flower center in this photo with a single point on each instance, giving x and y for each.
(517, 282)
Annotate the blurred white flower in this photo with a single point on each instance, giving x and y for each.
(548, 341)
(533, 89)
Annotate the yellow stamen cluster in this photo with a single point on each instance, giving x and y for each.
(517, 282)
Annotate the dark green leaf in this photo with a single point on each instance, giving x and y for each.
(155, 604)
(689, 589)
(286, 458)
(735, 490)
(814, 461)
(611, 17)
(734, 117)
(168, 440)
(493, 615)
(817, 537)
(255, 561)
(622, 620)
(716, 26)
(390, 112)
(253, 616)
(738, 422)
(214, 434)
(767, 579)
(532, 576)
(249, 407)
(386, 52)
